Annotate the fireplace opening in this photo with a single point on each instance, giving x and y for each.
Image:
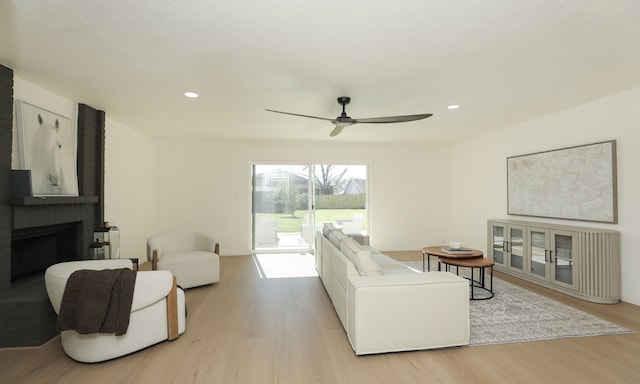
(33, 250)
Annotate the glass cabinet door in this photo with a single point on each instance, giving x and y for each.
(498, 243)
(539, 253)
(562, 258)
(516, 248)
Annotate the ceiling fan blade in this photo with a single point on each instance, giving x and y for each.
(297, 114)
(393, 119)
(337, 130)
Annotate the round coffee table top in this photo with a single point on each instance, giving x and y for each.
(477, 262)
(437, 251)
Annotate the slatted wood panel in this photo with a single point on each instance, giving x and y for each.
(599, 267)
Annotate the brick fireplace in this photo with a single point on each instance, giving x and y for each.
(36, 248)
(36, 232)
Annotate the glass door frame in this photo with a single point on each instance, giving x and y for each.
(304, 247)
(519, 255)
(571, 263)
(535, 259)
(353, 218)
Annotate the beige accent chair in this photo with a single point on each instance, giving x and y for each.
(191, 256)
(157, 312)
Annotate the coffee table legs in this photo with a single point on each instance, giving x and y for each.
(428, 261)
(480, 283)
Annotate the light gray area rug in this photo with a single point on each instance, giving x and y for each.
(516, 314)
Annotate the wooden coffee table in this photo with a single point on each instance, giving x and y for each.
(438, 252)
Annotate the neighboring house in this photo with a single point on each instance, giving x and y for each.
(354, 186)
(271, 181)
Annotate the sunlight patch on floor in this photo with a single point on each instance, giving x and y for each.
(281, 265)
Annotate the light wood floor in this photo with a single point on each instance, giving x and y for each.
(251, 330)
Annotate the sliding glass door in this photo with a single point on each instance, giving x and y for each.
(291, 201)
(341, 197)
(281, 208)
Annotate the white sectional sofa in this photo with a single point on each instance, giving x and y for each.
(385, 306)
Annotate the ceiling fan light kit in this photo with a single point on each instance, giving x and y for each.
(345, 120)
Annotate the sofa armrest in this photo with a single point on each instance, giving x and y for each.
(151, 286)
(154, 260)
(154, 248)
(204, 242)
(407, 312)
(172, 311)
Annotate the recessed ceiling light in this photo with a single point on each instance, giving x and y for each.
(191, 95)
(453, 106)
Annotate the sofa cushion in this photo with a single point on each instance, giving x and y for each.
(388, 265)
(192, 268)
(336, 236)
(327, 228)
(364, 263)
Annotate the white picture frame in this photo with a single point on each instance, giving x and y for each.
(575, 183)
(47, 147)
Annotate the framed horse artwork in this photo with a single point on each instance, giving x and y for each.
(48, 149)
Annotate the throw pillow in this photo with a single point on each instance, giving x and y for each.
(362, 259)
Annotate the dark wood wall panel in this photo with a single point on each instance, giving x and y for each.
(91, 134)
(6, 119)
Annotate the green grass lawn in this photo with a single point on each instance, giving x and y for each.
(288, 223)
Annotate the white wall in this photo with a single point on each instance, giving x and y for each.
(481, 163)
(128, 190)
(206, 185)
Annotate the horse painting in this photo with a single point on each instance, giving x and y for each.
(49, 154)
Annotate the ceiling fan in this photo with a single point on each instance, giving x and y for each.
(344, 120)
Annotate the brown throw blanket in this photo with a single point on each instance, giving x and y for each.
(97, 301)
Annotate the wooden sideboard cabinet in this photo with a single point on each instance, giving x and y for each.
(579, 261)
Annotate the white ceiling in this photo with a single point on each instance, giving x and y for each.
(504, 61)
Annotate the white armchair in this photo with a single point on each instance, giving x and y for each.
(157, 312)
(354, 226)
(192, 257)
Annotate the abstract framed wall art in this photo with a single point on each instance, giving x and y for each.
(575, 183)
(48, 149)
